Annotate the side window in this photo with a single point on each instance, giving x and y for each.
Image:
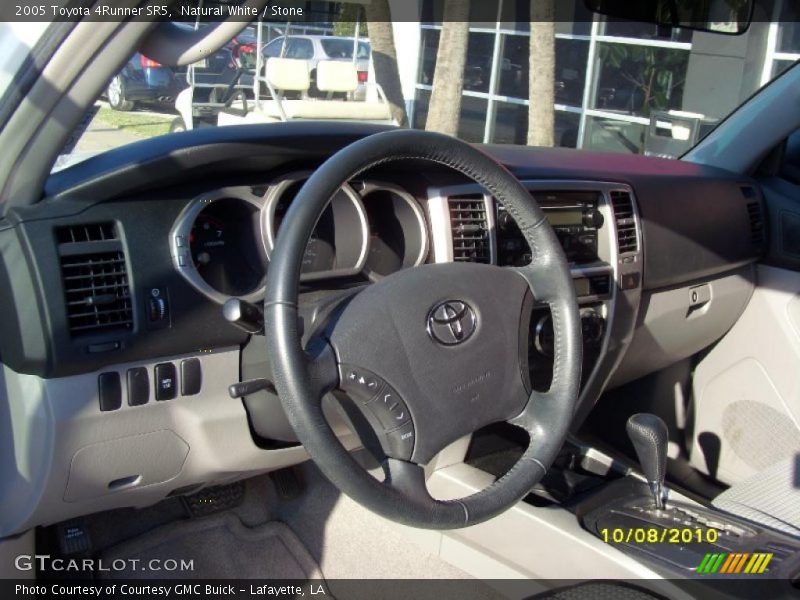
(273, 49)
(300, 48)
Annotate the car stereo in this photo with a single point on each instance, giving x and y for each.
(572, 214)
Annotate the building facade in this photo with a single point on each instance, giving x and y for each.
(616, 83)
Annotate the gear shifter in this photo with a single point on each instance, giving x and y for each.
(648, 433)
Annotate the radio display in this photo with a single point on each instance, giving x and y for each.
(564, 216)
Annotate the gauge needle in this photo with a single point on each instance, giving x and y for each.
(204, 258)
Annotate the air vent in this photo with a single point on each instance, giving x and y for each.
(96, 232)
(622, 203)
(755, 215)
(97, 293)
(470, 229)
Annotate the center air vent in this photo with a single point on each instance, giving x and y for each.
(470, 227)
(622, 204)
(95, 279)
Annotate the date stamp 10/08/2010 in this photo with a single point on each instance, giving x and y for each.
(659, 535)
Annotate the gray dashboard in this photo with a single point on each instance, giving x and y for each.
(694, 227)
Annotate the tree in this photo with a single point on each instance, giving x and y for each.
(444, 110)
(649, 78)
(344, 24)
(384, 57)
(542, 70)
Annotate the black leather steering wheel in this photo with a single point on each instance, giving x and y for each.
(429, 354)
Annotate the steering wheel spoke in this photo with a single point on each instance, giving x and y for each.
(527, 418)
(322, 367)
(408, 478)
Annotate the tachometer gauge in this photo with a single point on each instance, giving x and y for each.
(224, 247)
(207, 241)
(217, 246)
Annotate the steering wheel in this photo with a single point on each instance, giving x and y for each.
(428, 354)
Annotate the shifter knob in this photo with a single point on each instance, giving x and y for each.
(649, 436)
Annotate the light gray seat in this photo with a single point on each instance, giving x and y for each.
(771, 497)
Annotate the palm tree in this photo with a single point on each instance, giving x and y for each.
(384, 57)
(444, 109)
(541, 101)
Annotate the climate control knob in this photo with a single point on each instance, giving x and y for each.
(592, 326)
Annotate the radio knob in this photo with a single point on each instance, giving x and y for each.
(593, 218)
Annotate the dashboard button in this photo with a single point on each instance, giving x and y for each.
(138, 386)
(400, 442)
(166, 384)
(389, 409)
(191, 377)
(110, 391)
(629, 281)
(99, 348)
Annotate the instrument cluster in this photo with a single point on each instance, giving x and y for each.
(222, 241)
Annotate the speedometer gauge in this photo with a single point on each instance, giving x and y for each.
(398, 234)
(338, 245)
(320, 254)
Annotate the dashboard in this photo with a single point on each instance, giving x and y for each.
(125, 352)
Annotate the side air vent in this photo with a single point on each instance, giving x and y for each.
(470, 228)
(622, 204)
(755, 215)
(96, 232)
(95, 279)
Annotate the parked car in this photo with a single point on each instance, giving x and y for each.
(314, 48)
(143, 80)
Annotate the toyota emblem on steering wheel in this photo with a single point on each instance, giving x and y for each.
(452, 322)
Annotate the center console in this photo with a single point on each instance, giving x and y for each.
(576, 219)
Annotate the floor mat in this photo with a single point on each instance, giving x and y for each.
(221, 547)
(350, 542)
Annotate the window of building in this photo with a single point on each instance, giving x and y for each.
(511, 125)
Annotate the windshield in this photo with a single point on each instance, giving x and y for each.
(590, 83)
